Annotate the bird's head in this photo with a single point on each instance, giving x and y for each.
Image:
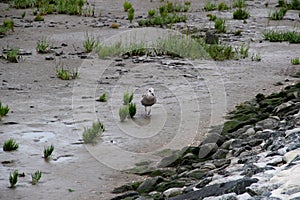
(151, 91)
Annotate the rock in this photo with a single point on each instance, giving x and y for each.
(269, 123)
(173, 192)
(149, 185)
(208, 166)
(275, 161)
(169, 184)
(49, 58)
(203, 182)
(283, 106)
(230, 196)
(170, 161)
(206, 150)
(214, 138)
(196, 174)
(249, 170)
(221, 162)
(126, 195)
(237, 186)
(253, 142)
(220, 154)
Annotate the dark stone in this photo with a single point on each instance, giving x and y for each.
(126, 195)
(196, 174)
(214, 138)
(221, 162)
(169, 184)
(220, 154)
(253, 142)
(265, 135)
(293, 147)
(273, 153)
(170, 161)
(206, 150)
(149, 184)
(251, 169)
(211, 38)
(238, 186)
(127, 187)
(203, 182)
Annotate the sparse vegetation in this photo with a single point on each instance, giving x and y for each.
(240, 14)
(239, 4)
(48, 151)
(36, 177)
(10, 145)
(281, 36)
(9, 24)
(127, 5)
(131, 14)
(38, 18)
(220, 25)
(295, 61)
(132, 109)
(11, 55)
(23, 15)
(13, 179)
(127, 98)
(238, 32)
(223, 6)
(151, 13)
(163, 20)
(220, 52)
(90, 43)
(278, 15)
(210, 6)
(102, 98)
(3, 110)
(123, 113)
(243, 51)
(256, 57)
(42, 46)
(89, 134)
(211, 17)
(66, 74)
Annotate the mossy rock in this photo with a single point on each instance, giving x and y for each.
(170, 184)
(127, 187)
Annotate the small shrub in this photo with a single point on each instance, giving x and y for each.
(295, 61)
(131, 14)
(256, 57)
(220, 25)
(13, 179)
(123, 113)
(10, 145)
(127, 5)
(12, 55)
(220, 52)
(243, 51)
(102, 98)
(280, 36)
(89, 134)
(278, 15)
(222, 6)
(66, 74)
(127, 98)
(240, 14)
(3, 30)
(132, 109)
(89, 44)
(211, 17)
(42, 46)
(151, 13)
(210, 6)
(36, 177)
(38, 18)
(3, 110)
(48, 151)
(114, 25)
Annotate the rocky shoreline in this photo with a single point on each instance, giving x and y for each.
(255, 155)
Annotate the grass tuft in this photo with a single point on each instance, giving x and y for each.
(89, 134)
(48, 151)
(295, 61)
(42, 46)
(240, 14)
(123, 113)
(278, 15)
(13, 179)
(210, 6)
(102, 98)
(90, 43)
(132, 109)
(127, 98)
(10, 145)
(36, 177)
(66, 74)
(220, 25)
(281, 36)
(3, 110)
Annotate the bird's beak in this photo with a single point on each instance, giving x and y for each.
(152, 93)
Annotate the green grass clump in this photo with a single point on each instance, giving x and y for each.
(127, 98)
(210, 6)
(256, 57)
(123, 113)
(295, 61)
(127, 5)
(131, 109)
(240, 14)
(237, 32)
(48, 151)
(3, 110)
(71, 7)
(151, 13)
(163, 20)
(10, 145)
(36, 177)
(281, 36)
(90, 43)
(211, 17)
(220, 25)
(66, 74)
(102, 98)
(223, 6)
(13, 179)
(239, 4)
(21, 4)
(278, 15)
(42, 46)
(8, 23)
(220, 52)
(38, 18)
(243, 51)
(11, 55)
(131, 14)
(110, 51)
(89, 134)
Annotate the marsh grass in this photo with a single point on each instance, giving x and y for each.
(295, 61)
(36, 177)
(127, 98)
(281, 36)
(48, 150)
(9, 24)
(66, 74)
(90, 134)
(13, 179)
(131, 109)
(241, 14)
(278, 15)
(211, 17)
(163, 20)
(210, 6)
(131, 14)
(239, 4)
(256, 57)
(11, 55)
(10, 145)
(220, 52)
(42, 46)
(3, 110)
(90, 43)
(103, 98)
(123, 113)
(151, 13)
(127, 5)
(38, 18)
(220, 25)
(223, 6)
(243, 51)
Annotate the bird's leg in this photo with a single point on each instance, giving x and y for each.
(149, 111)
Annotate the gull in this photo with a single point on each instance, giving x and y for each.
(148, 99)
